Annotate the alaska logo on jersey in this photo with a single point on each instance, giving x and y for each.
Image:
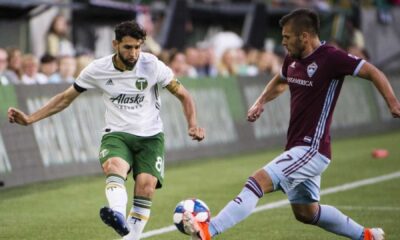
(141, 84)
(311, 69)
(124, 99)
(127, 101)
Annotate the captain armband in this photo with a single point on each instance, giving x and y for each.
(174, 86)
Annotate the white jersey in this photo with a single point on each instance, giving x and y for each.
(131, 97)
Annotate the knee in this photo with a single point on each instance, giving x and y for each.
(264, 180)
(146, 189)
(116, 166)
(303, 218)
(145, 185)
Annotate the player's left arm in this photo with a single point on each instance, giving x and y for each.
(370, 72)
(189, 109)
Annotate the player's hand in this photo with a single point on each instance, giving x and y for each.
(17, 116)
(197, 133)
(395, 110)
(255, 112)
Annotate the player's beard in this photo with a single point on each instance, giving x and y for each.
(128, 64)
(298, 50)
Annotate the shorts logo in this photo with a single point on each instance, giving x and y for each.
(103, 153)
(141, 84)
(311, 69)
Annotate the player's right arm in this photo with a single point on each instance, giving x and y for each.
(56, 104)
(274, 88)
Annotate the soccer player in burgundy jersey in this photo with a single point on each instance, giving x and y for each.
(314, 73)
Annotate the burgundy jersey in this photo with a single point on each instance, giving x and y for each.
(315, 82)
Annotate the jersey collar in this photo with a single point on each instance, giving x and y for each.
(114, 61)
(322, 44)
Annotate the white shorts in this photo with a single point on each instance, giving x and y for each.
(297, 172)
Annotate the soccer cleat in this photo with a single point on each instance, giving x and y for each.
(374, 234)
(115, 220)
(198, 230)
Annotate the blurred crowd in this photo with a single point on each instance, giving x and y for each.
(223, 55)
(59, 64)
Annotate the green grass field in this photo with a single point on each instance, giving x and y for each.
(68, 209)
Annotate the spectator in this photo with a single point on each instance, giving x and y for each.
(165, 56)
(66, 70)
(6, 76)
(48, 65)
(179, 66)
(227, 65)
(252, 56)
(269, 63)
(57, 42)
(383, 7)
(355, 43)
(30, 71)
(192, 58)
(207, 66)
(223, 41)
(15, 63)
(150, 44)
(82, 61)
(243, 67)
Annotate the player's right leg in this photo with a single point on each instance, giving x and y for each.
(114, 156)
(331, 219)
(148, 174)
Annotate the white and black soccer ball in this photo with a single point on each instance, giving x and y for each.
(198, 208)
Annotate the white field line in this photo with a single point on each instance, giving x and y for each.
(369, 208)
(340, 188)
(365, 208)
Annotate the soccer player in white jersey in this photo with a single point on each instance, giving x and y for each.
(314, 72)
(133, 138)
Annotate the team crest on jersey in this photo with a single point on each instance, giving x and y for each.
(293, 65)
(103, 153)
(141, 84)
(311, 69)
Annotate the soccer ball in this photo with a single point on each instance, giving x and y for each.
(197, 207)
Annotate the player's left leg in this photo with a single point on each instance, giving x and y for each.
(140, 212)
(234, 212)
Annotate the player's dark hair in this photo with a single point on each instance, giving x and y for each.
(302, 20)
(131, 29)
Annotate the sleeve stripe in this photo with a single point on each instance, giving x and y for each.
(282, 76)
(359, 67)
(79, 88)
